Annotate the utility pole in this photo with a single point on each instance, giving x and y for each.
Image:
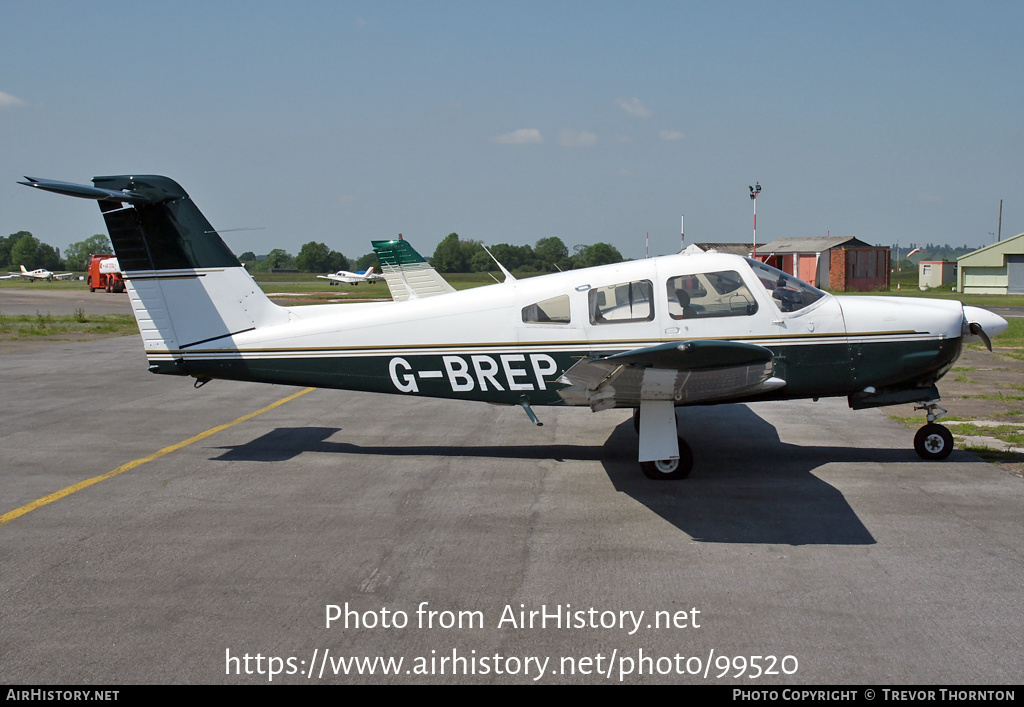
(999, 231)
(754, 191)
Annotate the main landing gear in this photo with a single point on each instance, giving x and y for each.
(933, 441)
(664, 455)
(670, 469)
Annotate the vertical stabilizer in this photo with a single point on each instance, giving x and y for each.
(186, 287)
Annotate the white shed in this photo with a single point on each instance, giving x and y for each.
(997, 269)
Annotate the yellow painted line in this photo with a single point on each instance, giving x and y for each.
(56, 496)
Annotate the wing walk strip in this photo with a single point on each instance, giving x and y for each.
(56, 496)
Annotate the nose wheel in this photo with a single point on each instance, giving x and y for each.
(933, 442)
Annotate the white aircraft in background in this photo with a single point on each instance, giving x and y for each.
(38, 274)
(647, 335)
(344, 277)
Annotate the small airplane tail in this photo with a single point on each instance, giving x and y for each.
(408, 273)
(23, 270)
(187, 289)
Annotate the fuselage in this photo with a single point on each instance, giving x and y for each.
(510, 342)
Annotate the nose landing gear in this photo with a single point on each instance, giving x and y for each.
(933, 441)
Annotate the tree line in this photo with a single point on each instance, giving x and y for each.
(452, 255)
(22, 248)
(547, 255)
(312, 257)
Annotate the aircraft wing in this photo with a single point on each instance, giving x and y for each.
(685, 372)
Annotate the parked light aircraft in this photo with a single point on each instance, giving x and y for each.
(39, 274)
(649, 335)
(408, 274)
(344, 277)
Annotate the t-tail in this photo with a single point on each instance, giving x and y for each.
(185, 285)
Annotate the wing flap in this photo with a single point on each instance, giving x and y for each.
(686, 373)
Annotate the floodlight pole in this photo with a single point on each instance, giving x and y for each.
(754, 191)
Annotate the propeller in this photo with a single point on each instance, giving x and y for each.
(983, 324)
(976, 329)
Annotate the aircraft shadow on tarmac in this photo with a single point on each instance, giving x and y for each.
(747, 485)
(285, 443)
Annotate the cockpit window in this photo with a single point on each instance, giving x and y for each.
(549, 311)
(713, 294)
(790, 293)
(626, 302)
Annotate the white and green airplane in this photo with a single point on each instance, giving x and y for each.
(650, 335)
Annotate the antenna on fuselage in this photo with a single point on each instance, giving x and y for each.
(508, 276)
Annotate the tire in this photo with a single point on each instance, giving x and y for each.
(933, 442)
(670, 469)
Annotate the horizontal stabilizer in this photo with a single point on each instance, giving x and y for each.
(84, 191)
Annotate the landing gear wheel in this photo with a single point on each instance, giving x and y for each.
(636, 420)
(670, 469)
(933, 442)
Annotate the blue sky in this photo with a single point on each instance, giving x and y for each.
(343, 122)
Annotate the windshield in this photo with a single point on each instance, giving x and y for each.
(791, 293)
